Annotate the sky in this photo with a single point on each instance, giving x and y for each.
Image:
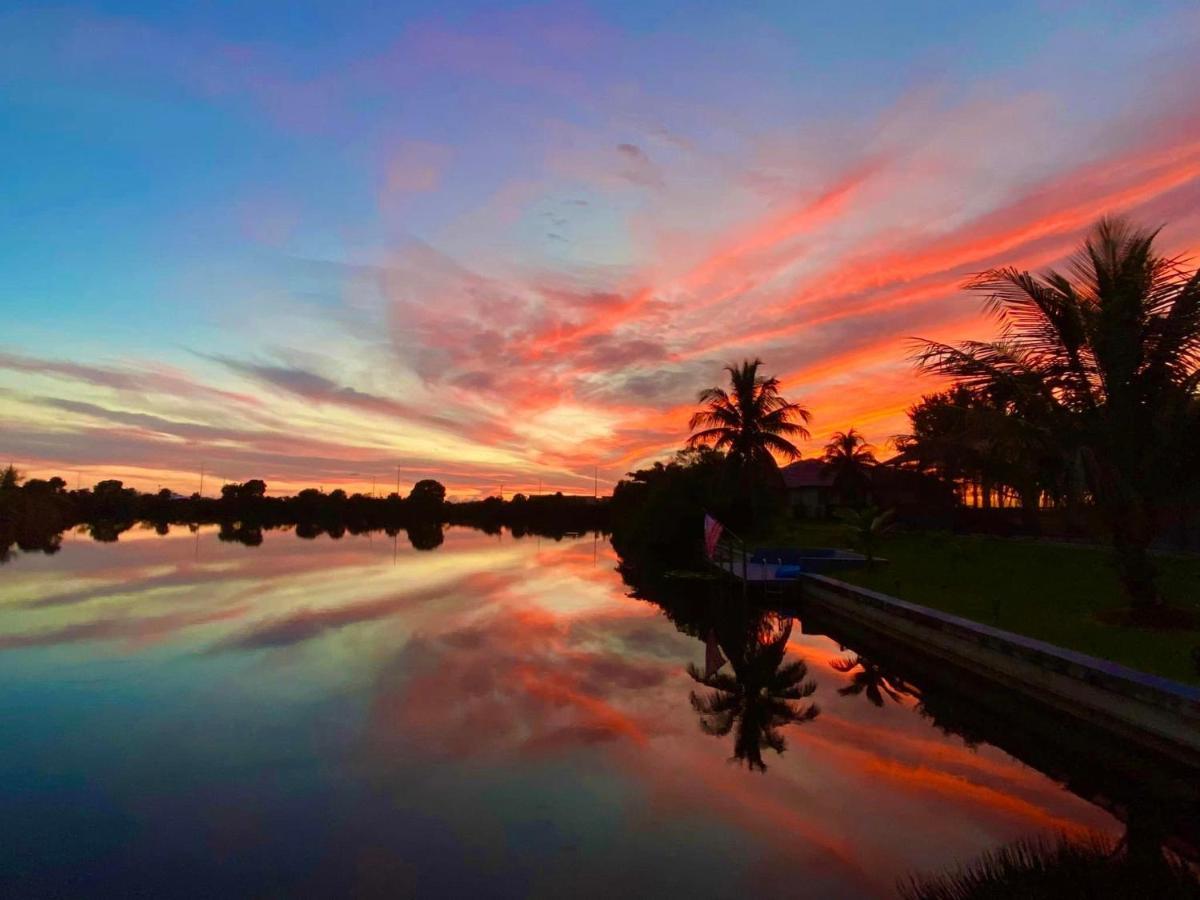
(505, 246)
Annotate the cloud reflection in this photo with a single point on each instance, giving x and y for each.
(497, 657)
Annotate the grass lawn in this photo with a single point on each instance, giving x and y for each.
(1043, 590)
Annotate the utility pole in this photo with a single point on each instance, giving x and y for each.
(397, 481)
(201, 479)
(595, 482)
(372, 487)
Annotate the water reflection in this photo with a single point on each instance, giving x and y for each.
(1155, 798)
(48, 544)
(496, 716)
(425, 535)
(242, 533)
(1054, 866)
(764, 692)
(871, 680)
(107, 532)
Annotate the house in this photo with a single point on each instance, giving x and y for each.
(914, 496)
(809, 487)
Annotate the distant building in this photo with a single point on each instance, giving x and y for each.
(915, 496)
(810, 490)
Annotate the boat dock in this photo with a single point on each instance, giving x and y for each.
(775, 565)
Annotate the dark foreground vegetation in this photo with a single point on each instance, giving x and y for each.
(34, 513)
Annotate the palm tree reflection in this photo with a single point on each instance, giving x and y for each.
(872, 681)
(761, 696)
(1049, 866)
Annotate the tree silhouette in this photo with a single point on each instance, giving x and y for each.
(752, 423)
(245, 533)
(867, 527)
(1106, 357)
(994, 441)
(871, 681)
(425, 535)
(763, 695)
(427, 496)
(254, 489)
(10, 478)
(849, 458)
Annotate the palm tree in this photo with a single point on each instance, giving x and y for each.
(758, 699)
(871, 680)
(1106, 357)
(849, 458)
(867, 527)
(751, 422)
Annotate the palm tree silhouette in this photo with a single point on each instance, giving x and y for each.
(849, 458)
(866, 527)
(872, 681)
(752, 423)
(1107, 356)
(759, 698)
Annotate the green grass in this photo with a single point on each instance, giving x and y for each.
(1047, 591)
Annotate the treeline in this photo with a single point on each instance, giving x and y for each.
(1089, 396)
(658, 512)
(35, 512)
(552, 515)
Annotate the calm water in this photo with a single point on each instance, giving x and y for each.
(185, 716)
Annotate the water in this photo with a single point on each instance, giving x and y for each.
(184, 716)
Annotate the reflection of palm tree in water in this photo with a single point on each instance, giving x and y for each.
(1036, 867)
(872, 681)
(762, 694)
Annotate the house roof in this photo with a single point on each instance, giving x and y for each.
(806, 473)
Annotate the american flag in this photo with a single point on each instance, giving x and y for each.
(713, 660)
(712, 534)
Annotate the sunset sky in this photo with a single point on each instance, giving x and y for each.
(497, 246)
